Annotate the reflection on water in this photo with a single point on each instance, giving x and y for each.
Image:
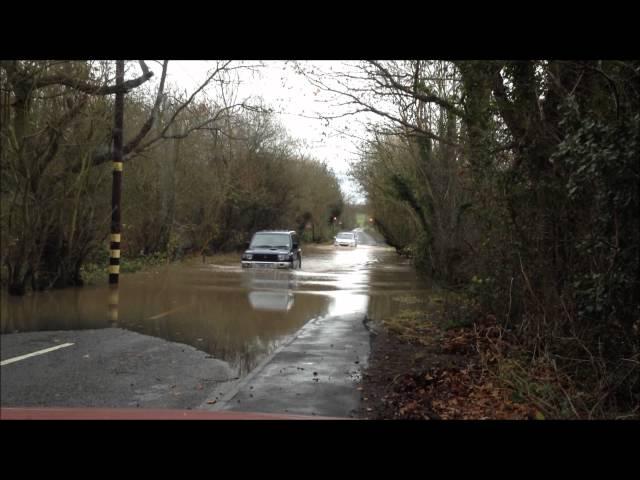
(270, 290)
(233, 314)
(271, 301)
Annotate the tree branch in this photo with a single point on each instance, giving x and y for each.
(426, 97)
(105, 156)
(87, 87)
(184, 105)
(163, 136)
(152, 117)
(505, 106)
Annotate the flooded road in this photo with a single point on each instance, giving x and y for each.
(235, 315)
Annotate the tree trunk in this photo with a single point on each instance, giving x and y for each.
(168, 194)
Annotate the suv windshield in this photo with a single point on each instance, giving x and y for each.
(345, 235)
(270, 240)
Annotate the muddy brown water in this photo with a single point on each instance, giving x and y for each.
(234, 314)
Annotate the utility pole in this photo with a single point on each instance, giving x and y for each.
(116, 191)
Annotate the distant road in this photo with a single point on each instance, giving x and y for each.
(365, 238)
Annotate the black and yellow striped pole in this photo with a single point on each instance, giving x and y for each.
(116, 191)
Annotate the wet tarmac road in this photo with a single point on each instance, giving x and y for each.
(239, 318)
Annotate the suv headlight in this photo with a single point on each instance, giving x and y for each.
(247, 256)
(282, 257)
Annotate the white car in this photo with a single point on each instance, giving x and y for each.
(346, 239)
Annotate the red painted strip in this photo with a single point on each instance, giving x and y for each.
(142, 414)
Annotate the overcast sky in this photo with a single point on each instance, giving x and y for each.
(294, 100)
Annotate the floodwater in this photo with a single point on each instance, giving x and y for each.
(234, 314)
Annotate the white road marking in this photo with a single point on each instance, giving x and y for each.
(39, 352)
(168, 312)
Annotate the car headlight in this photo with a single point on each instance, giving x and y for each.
(248, 256)
(282, 257)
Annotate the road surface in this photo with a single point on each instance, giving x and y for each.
(207, 336)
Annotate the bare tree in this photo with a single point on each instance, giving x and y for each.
(49, 101)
